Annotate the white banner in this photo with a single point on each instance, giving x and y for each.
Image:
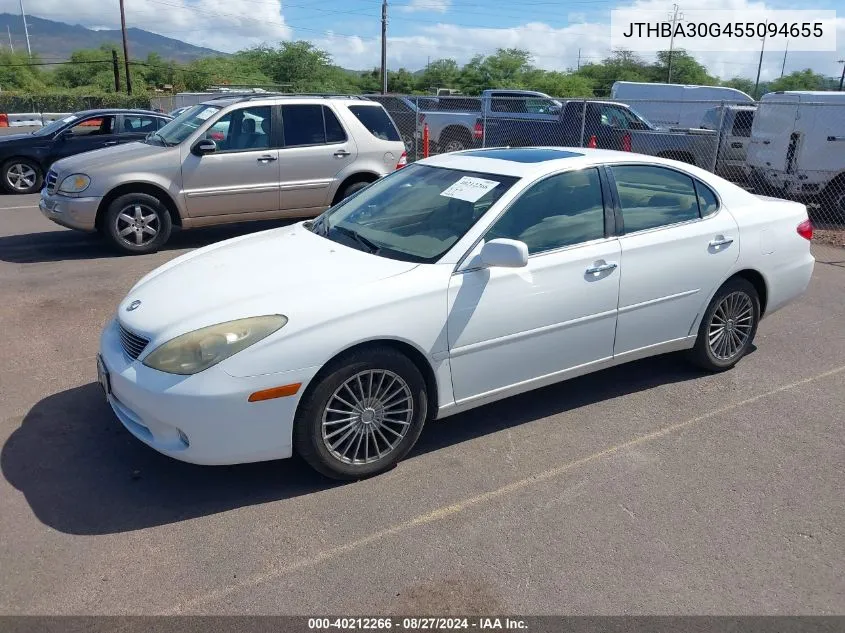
(702, 30)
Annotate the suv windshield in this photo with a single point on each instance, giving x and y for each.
(415, 214)
(186, 123)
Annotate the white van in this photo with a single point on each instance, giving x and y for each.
(675, 105)
(797, 147)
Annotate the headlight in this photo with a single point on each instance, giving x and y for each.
(195, 351)
(75, 183)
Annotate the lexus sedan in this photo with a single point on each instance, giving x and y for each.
(451, 283)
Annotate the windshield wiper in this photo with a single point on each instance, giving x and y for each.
(371, 247)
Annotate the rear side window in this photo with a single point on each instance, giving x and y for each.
(651, 197)
(742, 123)
(707, 202)
(376, 121)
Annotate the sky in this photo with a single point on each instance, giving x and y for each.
(554, 31)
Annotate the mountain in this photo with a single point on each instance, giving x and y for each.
(54, 41)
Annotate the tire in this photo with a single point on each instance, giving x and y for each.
(454, 144)
(21, 175)
(337, 449)
(737, 300)
(141, 213)
(350, 189)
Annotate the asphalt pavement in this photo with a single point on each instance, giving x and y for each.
(645, 489)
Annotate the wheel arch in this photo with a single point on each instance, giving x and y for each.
(753, 276)
(360, 176)
(139, 187)
(407, 349)
(454, 131)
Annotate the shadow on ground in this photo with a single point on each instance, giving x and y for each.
(83, 473)
(65, 245)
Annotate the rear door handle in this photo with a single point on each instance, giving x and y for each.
(341, 153)
(720, 241)
(267, 158)
(600, 268)
(736, 145)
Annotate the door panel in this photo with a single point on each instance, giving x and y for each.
(87, 135)
(317, 148)
(670, 269)
(508, 326)
(243, 175)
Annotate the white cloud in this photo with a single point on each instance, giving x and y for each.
(437, 6)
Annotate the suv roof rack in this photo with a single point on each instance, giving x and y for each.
(287, 95)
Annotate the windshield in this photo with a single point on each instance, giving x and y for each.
(186, 123)
(415, 214)
(54, 126)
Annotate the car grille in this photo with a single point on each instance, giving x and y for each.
(51, 181)
(131, 343)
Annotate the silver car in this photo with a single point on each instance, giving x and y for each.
(226, 160)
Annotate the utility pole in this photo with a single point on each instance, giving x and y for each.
(842, 78)
(783, 66)
(579, 60)
(25, 30)
(760, 65)
(383, 46)
(116, 69)
(9, 31)
(125, 49)
(675, 18)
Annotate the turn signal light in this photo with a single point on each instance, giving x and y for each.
(805, 230)
(275, 392)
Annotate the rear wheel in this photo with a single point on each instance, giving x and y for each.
(728, 327)
(350, 189)
(21, 175)
(363, 416)
(137, 223)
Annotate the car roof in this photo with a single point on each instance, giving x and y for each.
(117, 111)
(280, 98)
(522, 162)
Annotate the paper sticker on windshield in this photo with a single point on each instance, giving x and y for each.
(469, 188)
(69, 119)
(205, 114)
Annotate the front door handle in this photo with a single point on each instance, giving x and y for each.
(341, 153)
(267, 158)
(720, 240)
(110, 143)
(736, 145)
(600, 268)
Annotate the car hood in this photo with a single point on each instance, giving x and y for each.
(108, 157)
(272, 272)
(13, 138)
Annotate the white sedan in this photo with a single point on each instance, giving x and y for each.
(451, 283)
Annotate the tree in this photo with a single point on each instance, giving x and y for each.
(740, 83)
(622, 65)
(558, 84)
(799, 80)
(685, 69)
(18, 73)
(503, 69)
(441, 73)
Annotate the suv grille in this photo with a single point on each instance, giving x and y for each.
(132, 344)
(51, 181)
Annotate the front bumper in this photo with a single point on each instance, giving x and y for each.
(73, 213)
(205, 418)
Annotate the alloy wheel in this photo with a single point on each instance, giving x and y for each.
(137, 225)
(21, 176)
(367, 417)
(731, 325)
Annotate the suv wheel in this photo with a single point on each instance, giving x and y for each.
(137, 223)
(350, 189)
(21, 175)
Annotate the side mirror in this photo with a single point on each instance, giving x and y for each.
(203, 147)
(66, 135)
(504, 253)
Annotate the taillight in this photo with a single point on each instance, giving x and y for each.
(626, 142)
(805, 230)
(403, 160)
(478, 131)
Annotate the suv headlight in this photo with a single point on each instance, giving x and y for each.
(196, 351)
(75, 183)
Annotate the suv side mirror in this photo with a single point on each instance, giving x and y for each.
(204, 146)
(504, 253)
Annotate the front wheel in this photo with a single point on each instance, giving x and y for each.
(137, 223)
(21, 175)
(728, 327)
(363, 416)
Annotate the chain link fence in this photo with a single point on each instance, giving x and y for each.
(782, 149)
